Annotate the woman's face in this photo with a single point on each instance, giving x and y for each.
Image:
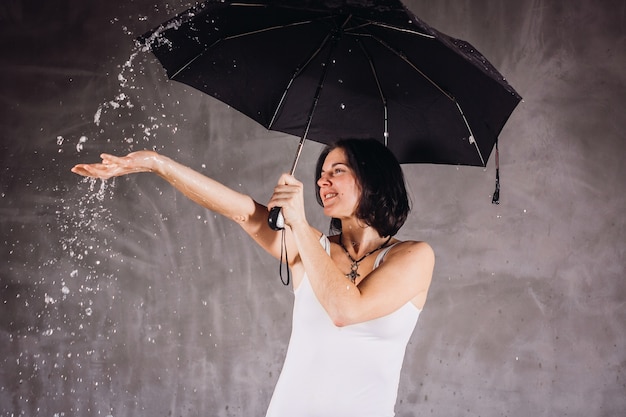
(339, 189)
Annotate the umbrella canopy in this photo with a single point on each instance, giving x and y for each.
(332, 69)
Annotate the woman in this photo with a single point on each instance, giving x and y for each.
(358, 293)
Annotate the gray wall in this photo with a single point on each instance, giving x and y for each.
(123, 298)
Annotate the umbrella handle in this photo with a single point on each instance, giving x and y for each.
(276, 221)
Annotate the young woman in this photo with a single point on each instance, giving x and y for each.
(358, 293)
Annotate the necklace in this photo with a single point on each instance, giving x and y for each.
(353, 274)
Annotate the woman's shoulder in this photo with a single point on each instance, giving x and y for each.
(414, 259)
(395, 245)
(411, 244)
(418, 250)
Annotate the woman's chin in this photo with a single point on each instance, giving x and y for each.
(329, 212)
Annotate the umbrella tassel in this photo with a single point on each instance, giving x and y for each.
(496, 193)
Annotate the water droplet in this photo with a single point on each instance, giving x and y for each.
(81, 141)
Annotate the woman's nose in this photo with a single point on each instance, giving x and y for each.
(323, 180)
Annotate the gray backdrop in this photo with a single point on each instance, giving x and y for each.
(123, 298)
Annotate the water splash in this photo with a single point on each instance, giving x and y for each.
(127, 106)
(70, 291)
(82, 221)
(81, 141)
(86, 222)
(124, 120)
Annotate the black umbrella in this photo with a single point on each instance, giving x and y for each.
(331, 69)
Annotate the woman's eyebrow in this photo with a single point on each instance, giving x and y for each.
(334, 165)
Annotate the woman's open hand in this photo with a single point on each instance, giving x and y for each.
(114, 166)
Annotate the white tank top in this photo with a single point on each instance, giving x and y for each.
(349, 371)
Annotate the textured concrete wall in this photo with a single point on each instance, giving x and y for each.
(123, 298)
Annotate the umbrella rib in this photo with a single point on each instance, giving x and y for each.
(254, 32)
(239, 35)
(295, 75)
(401, 55)
(413, 32)
(367, 22)
(472, 138)
(380, 91)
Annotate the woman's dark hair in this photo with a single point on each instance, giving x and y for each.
(384, 203)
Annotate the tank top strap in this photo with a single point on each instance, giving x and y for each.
(325, 242)
(381, 255)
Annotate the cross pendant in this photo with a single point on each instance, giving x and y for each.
(353, 274)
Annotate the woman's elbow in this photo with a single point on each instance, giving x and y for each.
(341, 319)
(339, 322)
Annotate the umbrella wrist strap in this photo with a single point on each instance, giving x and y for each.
(283, 253)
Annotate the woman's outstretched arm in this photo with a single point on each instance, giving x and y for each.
(201, 189)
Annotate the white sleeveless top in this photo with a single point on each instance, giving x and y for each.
(348, 371)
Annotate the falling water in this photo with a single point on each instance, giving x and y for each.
(79, 284)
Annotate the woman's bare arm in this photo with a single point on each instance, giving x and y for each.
(211, 194)
(404, 276)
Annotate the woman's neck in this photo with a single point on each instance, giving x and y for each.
(360, 240)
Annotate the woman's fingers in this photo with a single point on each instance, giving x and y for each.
(288, 196)
(287, 184)
(115, 160)
(104, 170)
(113, 166)
(288, 179)
(287, 188)
(90, 170)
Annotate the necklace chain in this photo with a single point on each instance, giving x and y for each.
(353, 274)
